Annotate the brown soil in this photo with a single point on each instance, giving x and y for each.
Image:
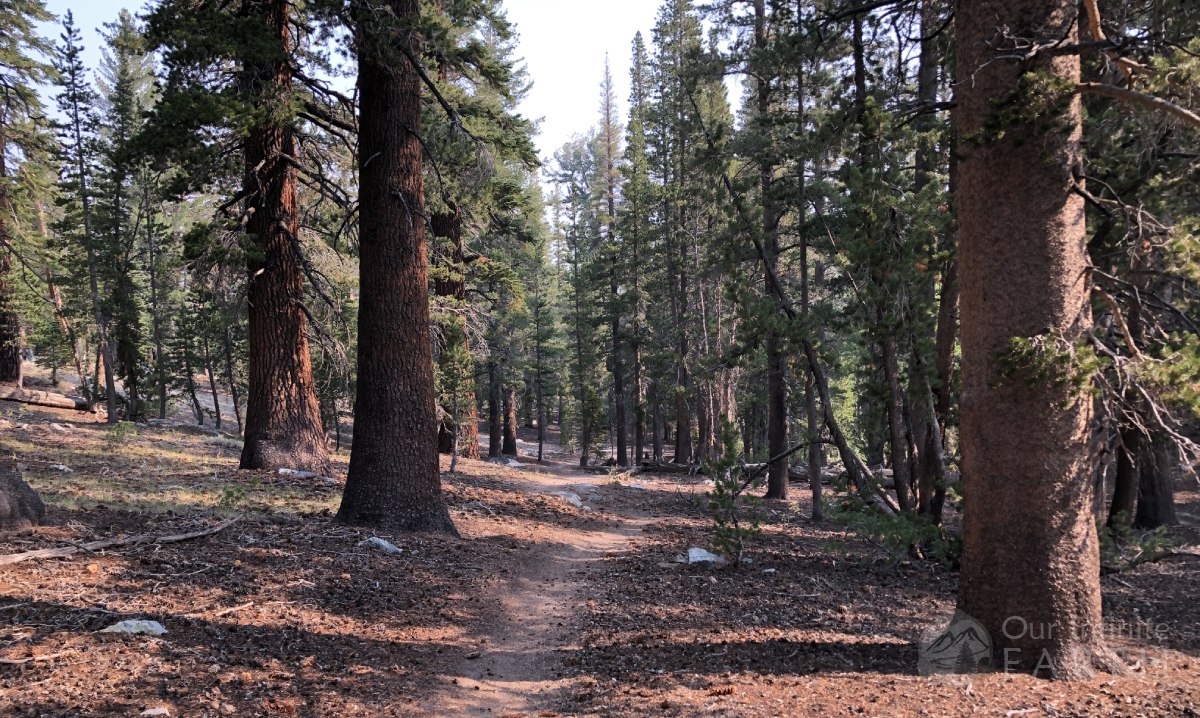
(542, 608)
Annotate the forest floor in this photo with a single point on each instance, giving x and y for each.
(542, 608)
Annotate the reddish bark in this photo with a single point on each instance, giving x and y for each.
(393, 481)
(283, 418)
(1031, 563)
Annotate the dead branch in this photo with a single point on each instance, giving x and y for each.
(66, 551)
(1141, 98)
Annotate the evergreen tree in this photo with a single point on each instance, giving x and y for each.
(21, 69)
(80, 142)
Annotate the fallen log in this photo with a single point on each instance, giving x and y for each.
(800, 473)
(657, 467)
(66, 551)
(43, 398)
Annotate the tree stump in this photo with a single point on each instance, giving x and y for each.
(20, 506)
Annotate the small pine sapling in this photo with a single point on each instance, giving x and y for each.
(732, 530)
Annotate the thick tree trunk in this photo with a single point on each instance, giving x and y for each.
(394, 480)
(777, 421)
(283, 418)
(1031, 563)
(20, 505)
(509, 447)
(1156, 484)
(461, 431)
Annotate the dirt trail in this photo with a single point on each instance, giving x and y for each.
(516, 671)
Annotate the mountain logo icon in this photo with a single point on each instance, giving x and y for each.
(960, 646)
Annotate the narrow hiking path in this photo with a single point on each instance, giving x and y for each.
(530, 623)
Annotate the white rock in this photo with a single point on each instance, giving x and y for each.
(155, 712)
(570, 497)
(514, 464)
(150, 628)
(379, 544)
(63, 468)
(296, 474)
(60, 428)
(699, 555)
(768, 570)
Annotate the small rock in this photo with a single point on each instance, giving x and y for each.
(381, 545)
(63, 468)
(699, 555)
(149, 628)
(227, 709)
(570, 497)
(297, 474)
(514, 464)
(60, 428)
(156, 712)
(768, 570)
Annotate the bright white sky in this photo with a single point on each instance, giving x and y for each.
(563, 43)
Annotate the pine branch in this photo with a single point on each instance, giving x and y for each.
(1141, 98)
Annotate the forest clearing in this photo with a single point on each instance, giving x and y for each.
(825, 357)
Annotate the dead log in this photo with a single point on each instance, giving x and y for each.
(66, 551)
(655, 467)
(43, 398)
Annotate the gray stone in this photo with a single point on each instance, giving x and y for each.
(20, 506)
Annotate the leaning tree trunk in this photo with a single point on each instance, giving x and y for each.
(283, 418)
(393, 481)
(1031, 562)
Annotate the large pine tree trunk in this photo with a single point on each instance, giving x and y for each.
(1031, 564)
(283, 418)
(394, 482)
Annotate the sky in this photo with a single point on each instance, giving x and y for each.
(563, 45)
